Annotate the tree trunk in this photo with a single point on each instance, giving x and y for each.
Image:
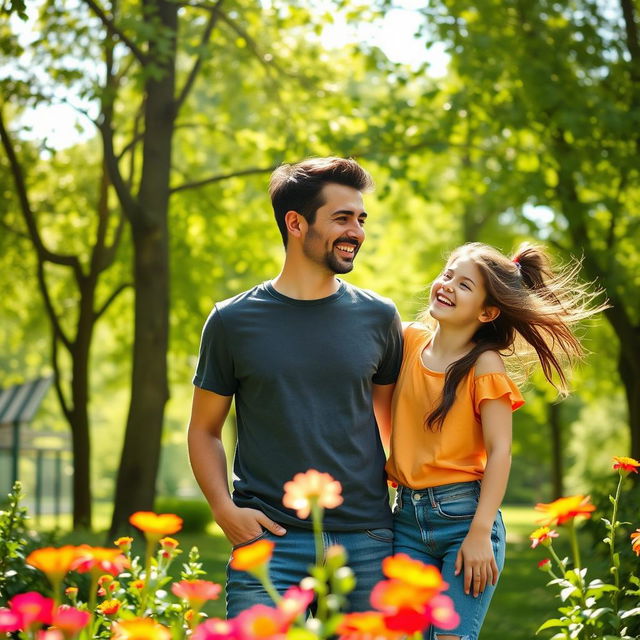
(629, 368)
(555, 424)
(135, 487)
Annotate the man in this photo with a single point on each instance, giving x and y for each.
(306, 356)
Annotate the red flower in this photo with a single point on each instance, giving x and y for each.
(408, 621)
(9, 620)
(544, 564)
(109, 607)
(196, 592)
(626, 464)
(564, 509)
(366, 625)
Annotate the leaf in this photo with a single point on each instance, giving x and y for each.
(567, 592)
(630, 612)
(553, 622)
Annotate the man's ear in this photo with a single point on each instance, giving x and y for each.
(489, 314)
(295, 223)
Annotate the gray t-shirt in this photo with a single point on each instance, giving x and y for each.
(302, 374)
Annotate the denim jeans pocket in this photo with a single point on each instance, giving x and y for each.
(382, 535)
(251, 541)
(459, 507)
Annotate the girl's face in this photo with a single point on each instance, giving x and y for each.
(458, 294)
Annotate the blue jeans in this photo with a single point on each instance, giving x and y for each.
(430, 525)
(295, 552)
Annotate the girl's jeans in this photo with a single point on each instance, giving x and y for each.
(430, 525)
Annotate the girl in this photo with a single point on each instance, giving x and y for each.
(451, 430)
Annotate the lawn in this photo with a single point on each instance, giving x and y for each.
(520, 605)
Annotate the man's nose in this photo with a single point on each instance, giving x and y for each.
(356, 231)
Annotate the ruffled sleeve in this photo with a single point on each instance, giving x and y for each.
(490, 386)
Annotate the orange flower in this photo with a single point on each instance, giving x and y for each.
(156, 525)
(543, 536)
(100, 559)
(70, 621)
(169, 543)
(625, 464)
(124, 543)
(563, 509)
(394, 595)
(140, 629)
(252, 556)
(196, 592)
(55, 563)
(366, 625)
(413, 572)
(137, 585)
(635, 542)
(309, 487)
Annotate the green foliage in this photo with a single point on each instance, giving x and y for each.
(196, 514)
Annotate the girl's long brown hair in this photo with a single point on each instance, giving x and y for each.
(538, 305)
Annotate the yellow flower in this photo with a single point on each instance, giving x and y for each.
(311, 486)
(55, 563)
(157, 525)
(625, 464)
(140, 629)
(635, 542)
(563, 509)
(543, 536)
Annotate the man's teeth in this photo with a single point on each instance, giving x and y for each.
(349, 248)
(445, 301)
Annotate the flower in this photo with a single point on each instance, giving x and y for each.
(31, 608)
(124, 543)
(365, 625)
(140, 629)
(100, 559)
(260, 621)
(70, 621)
(215, 629)
(295, 602)
(391, 596)
(442, 613)
(196, 592)
(309, 487)
(625, 464)
(635, 542)
(54, 563)
(71, 593)
(407, 621)
(544, 564)
(49, 634)
(137, 585)
(252, 556)
(543, 536)
(109, 607)
(402, 567)
(564, 509)
(156, 525)
(9, 620)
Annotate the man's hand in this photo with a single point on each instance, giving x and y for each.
(476, 557)
(242, 524)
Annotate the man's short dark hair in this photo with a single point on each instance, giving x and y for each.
(298, 187)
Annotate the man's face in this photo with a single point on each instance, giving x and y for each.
(334, 239)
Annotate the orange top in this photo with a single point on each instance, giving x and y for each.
(420, 457)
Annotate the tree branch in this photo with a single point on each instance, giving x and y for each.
(204, 40)
(220, 177)
(111, 298)
(113, 30)
(56, 378)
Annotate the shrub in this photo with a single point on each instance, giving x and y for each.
(195, 514)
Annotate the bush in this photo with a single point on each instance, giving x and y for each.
(196, 514)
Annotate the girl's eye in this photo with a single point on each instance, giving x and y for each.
(466, 286)
(446, 276)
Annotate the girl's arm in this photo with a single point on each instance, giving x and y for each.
(476, 552)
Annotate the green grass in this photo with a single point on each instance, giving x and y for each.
(521, 602)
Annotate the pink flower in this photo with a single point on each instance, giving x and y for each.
(215, 629)
(542, 536)
(70, 621)
(32, 608)
(307, 488)
(295, 602)
(100, 560)
(196, 592)
(9, 620)
(442, 612)
(260, 622)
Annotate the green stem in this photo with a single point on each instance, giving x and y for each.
(574, 544)
(316, 518)
(151, 545)
(262, 573)
(557, 559)
(612, 537)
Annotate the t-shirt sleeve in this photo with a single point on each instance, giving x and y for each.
(491, 386)
(389, 368)
(215, 370)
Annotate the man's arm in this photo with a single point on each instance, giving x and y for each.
(209, 463)
(382, 394)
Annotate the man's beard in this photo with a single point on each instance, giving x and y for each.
(329, 259)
